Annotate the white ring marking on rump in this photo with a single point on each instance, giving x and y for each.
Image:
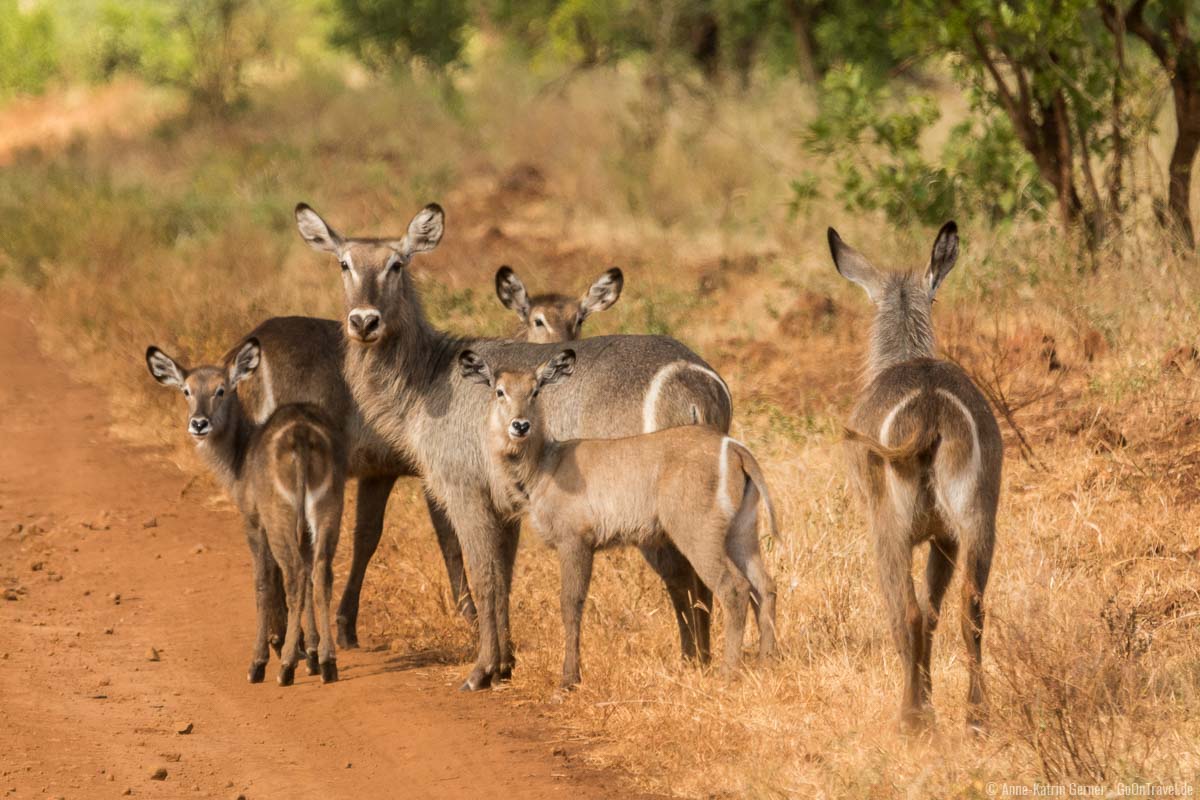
(650, 404)
(885, 430)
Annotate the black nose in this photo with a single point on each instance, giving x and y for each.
(199, 425)
(520, 426)
(364, 323)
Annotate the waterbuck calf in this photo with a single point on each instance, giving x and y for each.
(301, 362)
(925, 453)
(405, 379)
(692, 486)
(548, 318)
(287, 477)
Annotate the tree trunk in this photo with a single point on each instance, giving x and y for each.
(801, 15)
(1183, 157)
(1179, 56)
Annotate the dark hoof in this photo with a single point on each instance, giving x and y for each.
(313, 665)
(329, 672)
(478, 679)
(258, 672)
(287, 675)
(347, 637)
(505, 672)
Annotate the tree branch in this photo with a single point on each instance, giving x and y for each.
(1137, 25)
(1017, 112)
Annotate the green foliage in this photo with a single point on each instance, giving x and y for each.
(388, 33)
(591, 31)
(878, 159)
(1051, 67)
(857, 32)
(875, 137)
(1062, 45)
(715, 35)
(525, 23)
(27, 48)
(135, 38)
(203, 47)
(996, 178)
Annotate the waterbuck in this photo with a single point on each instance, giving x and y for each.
(287, 477)
(692, 486)
(925, 454)
(404, 375)
(547, 318)
(301, 362)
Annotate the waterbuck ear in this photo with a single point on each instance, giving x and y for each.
(512, 292)
(473, 368)
(602, 294)
(425, 230)
(945, 253)
(555, 370)
(315, 231)
(164, 369)
(245, 362)
(853, 266)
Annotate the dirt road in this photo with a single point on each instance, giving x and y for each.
(127, 619)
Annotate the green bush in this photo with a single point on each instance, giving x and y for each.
(874, 137)
(28, 58)
(389, 33)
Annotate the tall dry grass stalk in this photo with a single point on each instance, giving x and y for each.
(183, 237)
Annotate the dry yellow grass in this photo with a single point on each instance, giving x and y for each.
(1092, 649)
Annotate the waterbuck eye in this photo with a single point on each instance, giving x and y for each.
(220, 391)
(499, 393)
(395, 267)
(540, 322)
(187, 392)
(345, 266)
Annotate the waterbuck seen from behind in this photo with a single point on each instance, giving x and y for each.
(287, 477)
(925, 453)
(301, 362)
(547, 318)
(692, 486)
(405, 378)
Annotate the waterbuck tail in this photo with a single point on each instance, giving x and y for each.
(754, 472)
(302, 455)
(920, 442)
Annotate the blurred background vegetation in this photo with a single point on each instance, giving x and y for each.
(152, 151)
(1054, 100)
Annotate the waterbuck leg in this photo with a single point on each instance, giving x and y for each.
(894, 555)
(733, 590)
(295, 582)
(690, 597)
(575, 568)
(480, 535)
(453, 556)
(311, 637)
(510, 539)
(322, 590)
(976, 566)
(742, 545)
(706, 551)
(266, 575)
(368, 527)
(939, 569)
(276, 607)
